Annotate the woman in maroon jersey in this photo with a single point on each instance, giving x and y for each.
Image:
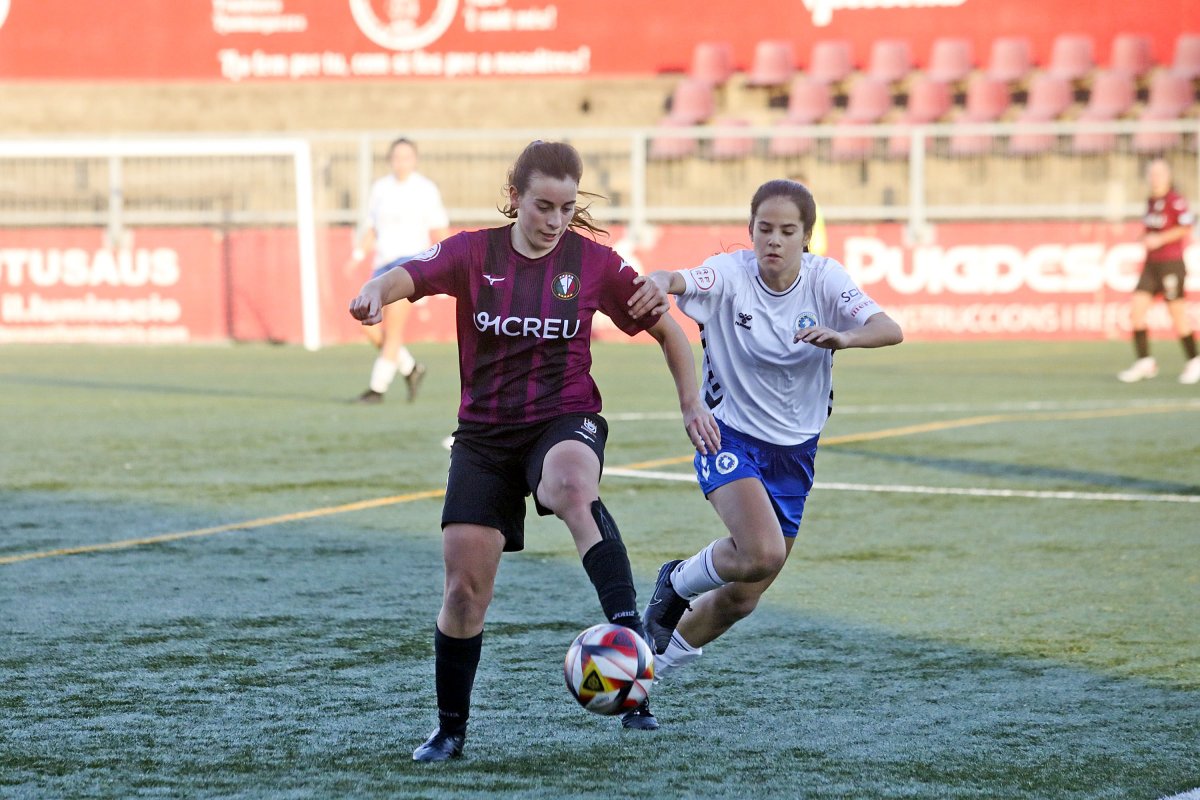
(1168, 222)
(529, 419)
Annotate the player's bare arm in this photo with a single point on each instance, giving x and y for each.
(393, 285)
(698, 421)
(648, 298)
(670, 282)
(879, 331)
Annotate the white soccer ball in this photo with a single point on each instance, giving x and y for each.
(609, 669)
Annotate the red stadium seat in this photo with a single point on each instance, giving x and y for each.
(774, 64)
(1170, 95)
(1113, 95)
(668, 147)
(928, 101)
(1011, 59)
(987, 101)
(712, 63)
(1131, 54)
(809, 101)
(1149, 141)
(786, 142)
(692, 102)
(870, 99)
(1049, 96)
(728, 146)
(1072, 56)
(891, 60)
(1187, 56)
(831, 61)
(950, 60)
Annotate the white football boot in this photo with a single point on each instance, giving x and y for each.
(1142, 369)
(1191, 371)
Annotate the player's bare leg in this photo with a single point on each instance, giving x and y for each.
(472, 558)
(1144, 367)
(1183, 329)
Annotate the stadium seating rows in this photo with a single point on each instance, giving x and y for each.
(951, 86)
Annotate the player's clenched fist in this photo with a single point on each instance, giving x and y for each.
(367, 308)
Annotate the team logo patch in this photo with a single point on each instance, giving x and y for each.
(806, 320)
(589, 425)
(565, 285)
(704, 277)
(426, 255)
(726, 463)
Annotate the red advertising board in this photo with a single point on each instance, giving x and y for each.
(973, 281)
(284, 40)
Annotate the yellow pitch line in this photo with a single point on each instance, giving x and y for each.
(233, 526)
(886, 433)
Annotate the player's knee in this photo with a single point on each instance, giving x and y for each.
(465, 599)
(568, 492)
(762, 561)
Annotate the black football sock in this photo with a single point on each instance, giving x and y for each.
(1189, 345)
(455, 663)
(607, 565)
(1141, 344)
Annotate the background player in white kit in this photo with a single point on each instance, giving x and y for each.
(770, 320)
(405, 216)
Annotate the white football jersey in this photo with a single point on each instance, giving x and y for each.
(404, 214)
(756, 379)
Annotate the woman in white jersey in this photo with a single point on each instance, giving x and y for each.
(406, 216)
(770, 319)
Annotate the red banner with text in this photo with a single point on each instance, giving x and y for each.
(973, 281)
(288, 40)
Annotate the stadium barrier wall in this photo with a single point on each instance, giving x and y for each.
(1053, 280)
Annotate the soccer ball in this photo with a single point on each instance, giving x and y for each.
(609, 669)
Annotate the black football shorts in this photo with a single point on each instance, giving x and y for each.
(1162, 277)
(493, 468)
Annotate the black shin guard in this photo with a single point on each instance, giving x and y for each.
(1141, 343)
(1189, 345)
(607, 565)
(455, 663)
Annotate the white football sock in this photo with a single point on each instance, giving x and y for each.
(382, 374)
(405, 361)
(697, 575)
(678, 654)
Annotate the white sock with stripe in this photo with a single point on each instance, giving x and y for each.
(678, 654)
(697, 575)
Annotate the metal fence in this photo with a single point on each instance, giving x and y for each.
(915, 175)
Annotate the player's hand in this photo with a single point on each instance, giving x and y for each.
(820, 336)
(367, 308)
(649, 298)
(701, 428)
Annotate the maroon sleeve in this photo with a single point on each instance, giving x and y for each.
(618, 288)
(443, 268)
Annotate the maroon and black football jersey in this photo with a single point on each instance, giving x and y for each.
(1163, 214)
(525, 324)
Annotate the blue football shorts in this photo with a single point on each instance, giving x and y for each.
(785, 471)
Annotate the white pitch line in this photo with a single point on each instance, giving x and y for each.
(948, 408)
(1025, 494)
(1194, 794)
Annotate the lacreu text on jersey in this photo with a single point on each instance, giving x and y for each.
(550, 328)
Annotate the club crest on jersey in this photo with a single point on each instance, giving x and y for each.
(806, 320)
(704, 277)
(565, 285)
(426, 255)
(726, 463)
